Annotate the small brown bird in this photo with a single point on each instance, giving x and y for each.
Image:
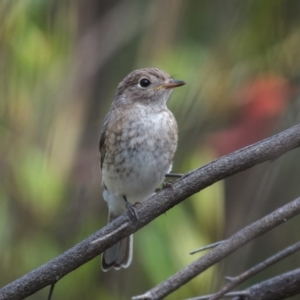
(137, 145)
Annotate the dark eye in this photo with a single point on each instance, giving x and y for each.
(144, 82)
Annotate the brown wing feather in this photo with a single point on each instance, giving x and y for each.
(102, 147)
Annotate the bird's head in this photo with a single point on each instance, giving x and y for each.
(147, 86)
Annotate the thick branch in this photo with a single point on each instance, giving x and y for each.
(191, 183)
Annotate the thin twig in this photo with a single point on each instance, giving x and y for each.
(51, 291)
(207, 247)
(103, 238)
(173, 175)
(256, 269)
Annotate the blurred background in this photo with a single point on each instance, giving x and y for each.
(60, 63)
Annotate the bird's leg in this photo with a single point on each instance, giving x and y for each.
(131, 210)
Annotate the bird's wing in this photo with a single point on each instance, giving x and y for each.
(102, 147)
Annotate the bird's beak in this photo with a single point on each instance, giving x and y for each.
(171, 85)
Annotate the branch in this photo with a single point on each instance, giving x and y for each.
(239, 239)
(256, 269)
(241, 295)
(279, 287)
(189, 184)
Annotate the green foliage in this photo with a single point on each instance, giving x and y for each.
(60, 62)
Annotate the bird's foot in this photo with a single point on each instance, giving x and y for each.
(164, 185)
(167, 184)
(131, 209)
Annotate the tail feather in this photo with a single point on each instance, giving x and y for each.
(119, 255)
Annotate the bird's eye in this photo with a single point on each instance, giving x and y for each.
(144, 82)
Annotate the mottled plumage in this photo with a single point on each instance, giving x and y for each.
(137, 145)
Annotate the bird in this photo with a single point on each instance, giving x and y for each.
(137, 146)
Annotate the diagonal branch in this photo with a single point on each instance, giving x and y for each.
(276, 288)
(241, 295)
(256, 269)
(189, 184)
(280, 287)
(230, 245)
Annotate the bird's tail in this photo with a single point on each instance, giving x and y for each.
(119, 255)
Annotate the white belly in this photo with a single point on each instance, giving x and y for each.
(138, 159)
(145, 173)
